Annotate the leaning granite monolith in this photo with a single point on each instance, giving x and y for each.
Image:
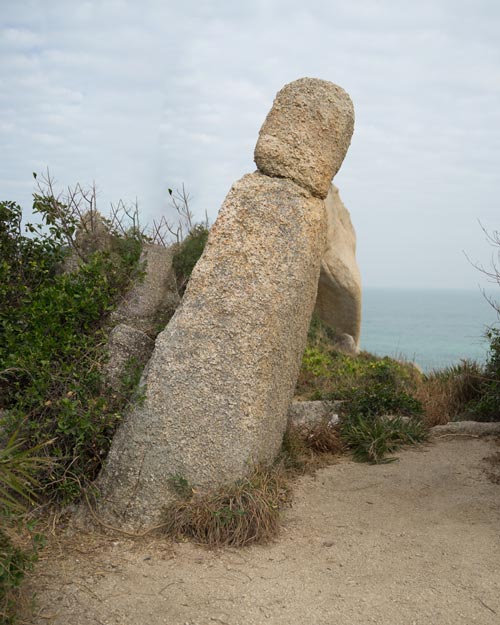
(338, 301)
(222, 375)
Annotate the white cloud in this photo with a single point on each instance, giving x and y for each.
(145, 96)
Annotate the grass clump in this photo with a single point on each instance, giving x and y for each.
(18, 485)
(371, 439)
(306, 448)
(450, 394)
(249, 511)
(236, 515)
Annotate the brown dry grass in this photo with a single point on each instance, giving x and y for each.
(308, 447)
(249, 511)
(445, 394)
(238, 514)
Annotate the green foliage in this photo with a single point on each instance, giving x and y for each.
(370, 388)
(368, 385)
(181, 486)
(320, 334)
(18, 467)
(372, 438)
(316, 362)
(384, 389)
(487, 407)
(188, 254)
(52, 342)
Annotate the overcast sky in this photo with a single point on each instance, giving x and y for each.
(143, 96)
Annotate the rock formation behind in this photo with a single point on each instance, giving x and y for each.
(339, 291)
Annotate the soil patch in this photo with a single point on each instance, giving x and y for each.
(411, 542)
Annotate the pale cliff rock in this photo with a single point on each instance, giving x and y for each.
(338, 301)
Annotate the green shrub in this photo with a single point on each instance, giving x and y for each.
(52, 343)
(188, 254)
(487, 407)
(316, 362)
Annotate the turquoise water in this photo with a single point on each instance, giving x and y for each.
(429, 327)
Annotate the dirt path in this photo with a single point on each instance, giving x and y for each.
(414, 542)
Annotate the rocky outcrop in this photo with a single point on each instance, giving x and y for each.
(144, 311)
(312, 413)
(152, 300)
(339, 291)
(222, 375)
(128, 350)
(466, 428)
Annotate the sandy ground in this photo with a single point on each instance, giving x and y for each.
(414, 542)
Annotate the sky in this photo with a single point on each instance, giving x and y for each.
(139, 97)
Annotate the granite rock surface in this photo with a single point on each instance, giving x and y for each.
(306, 134)
(339, 291)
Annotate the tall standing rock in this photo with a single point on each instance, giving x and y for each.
(222, 375)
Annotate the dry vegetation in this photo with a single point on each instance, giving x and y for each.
(447, 394)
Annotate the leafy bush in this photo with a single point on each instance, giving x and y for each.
(385, 390)
(188, 254)
(487, 407)
(52, 342)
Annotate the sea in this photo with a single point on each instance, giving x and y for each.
(432, 328)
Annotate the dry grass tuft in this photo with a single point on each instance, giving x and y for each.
(234, 515)
(321, 438)
(445, 394)
(249, 510)
(310, 447)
